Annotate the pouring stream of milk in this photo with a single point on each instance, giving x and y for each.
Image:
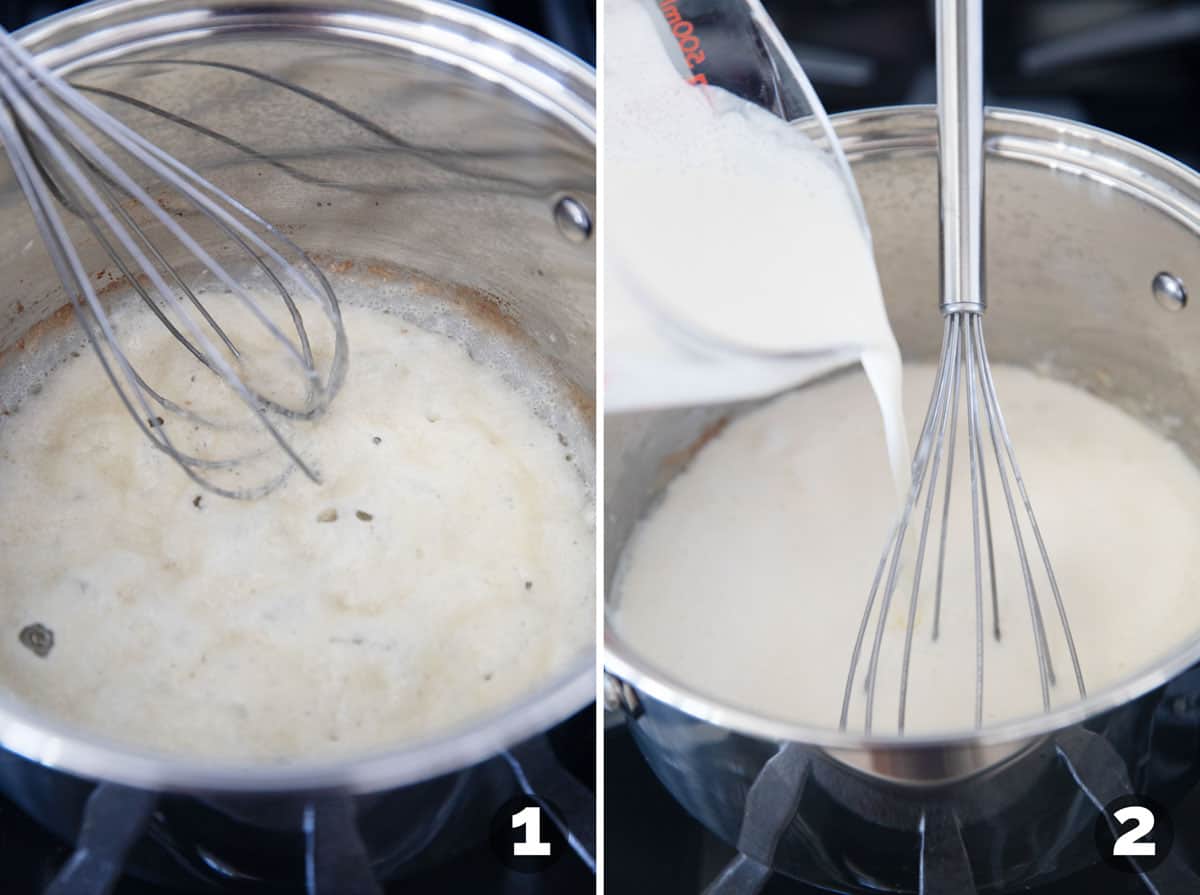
(736, 262)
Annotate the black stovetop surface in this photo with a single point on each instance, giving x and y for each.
(1129, 66)
(654, 846)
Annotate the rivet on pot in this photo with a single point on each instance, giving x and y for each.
(619, 696)
(1169, 291)
(573, 220)
(612, 694)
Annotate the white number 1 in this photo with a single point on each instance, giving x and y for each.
(531, 819)
(1128, 844)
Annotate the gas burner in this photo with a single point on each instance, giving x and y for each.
(956, 836)
(991, 835)
(131, 842)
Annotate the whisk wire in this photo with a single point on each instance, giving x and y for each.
(36, 117)
(967, 322)
(67, 264)
(99, 159)
(976, 482)
(920, 466)
(896, 532)
(1000, 435)
(963, 373)
(963, 356)
(1045, 668)
(88, 192)
(909, 628)
(955, 350)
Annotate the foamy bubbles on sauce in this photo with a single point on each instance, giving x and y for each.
(443, 569)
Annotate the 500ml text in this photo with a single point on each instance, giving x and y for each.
(689, 42)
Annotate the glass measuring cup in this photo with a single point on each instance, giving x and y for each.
(656, 354)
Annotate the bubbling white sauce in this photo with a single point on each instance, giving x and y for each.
(748, 581)
(443, 569)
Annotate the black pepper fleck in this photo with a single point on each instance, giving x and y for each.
(363, 516)
(196, 501)
(38, 638)
(375, 439)
(529, 585)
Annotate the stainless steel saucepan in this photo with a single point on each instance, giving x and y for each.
(412, 147)
(1092, 242)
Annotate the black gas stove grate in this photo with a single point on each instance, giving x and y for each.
(645, 825)
(32, 860)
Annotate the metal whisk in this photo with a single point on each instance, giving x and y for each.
(963, 372)
(67, 153)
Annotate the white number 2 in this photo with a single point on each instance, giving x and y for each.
(1128, 844)
(531, 819)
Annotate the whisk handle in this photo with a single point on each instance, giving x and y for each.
(960, 153)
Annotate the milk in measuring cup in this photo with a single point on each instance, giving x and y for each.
(736, 265)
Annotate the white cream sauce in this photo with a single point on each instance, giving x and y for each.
(457, 575)
(748, 581)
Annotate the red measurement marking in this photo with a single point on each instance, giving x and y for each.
(685, 35)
